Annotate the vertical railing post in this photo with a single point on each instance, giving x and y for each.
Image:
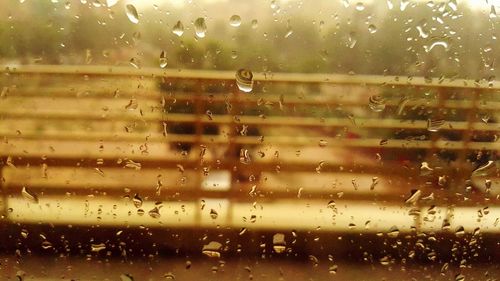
(199, 114)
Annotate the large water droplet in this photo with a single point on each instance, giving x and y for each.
(245, 157)
(126, 277)
(97, 247)
(235, 20)
(111, 3)
(29, 195)
(212, 249)
(132, 14)
(46, 245)
(178, 29)
(372, 28)
(154, 213)
(213, 214)
(163, 59)
(279, 243)
(437, 43)
(255, 24)
(137, 200)
(433, 125)
(200, 27)
(376, 103)
(460, 231)
(360, 6)
(244, 80)
(393, 232)
(415, 195)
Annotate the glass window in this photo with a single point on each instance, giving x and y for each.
(259, 140)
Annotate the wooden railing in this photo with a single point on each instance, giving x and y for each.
(98, 136)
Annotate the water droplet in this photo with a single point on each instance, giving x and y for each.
(404, 4)
(385, 260)
(476, 231)
(459, 277)
(244, 80)
(169, 276)
(97, 247)
(415, 195)
(487, 169)
(255, 24)
(460, 231)
(135, 63)
(178, 29)
(132, 105)
(235, 20)
(126, 277)
(200, 27)
(421, 32)
(29, 195)
(322, 143)
(46, 245)
(374, 183)
(360, 6)
(333, 269)
(212, 249)
(372, 28)
(137, 200)
(24, 233)
(245, 156)
(433, 125)
(132, 14)
(289, 32)
(213, 214)
(279, 243)
(393, 232)
(352, 40)
(163, 59)
(390, 5)
(376, 103)
(331, 204)
(493, 12)
(434, 44)
(111, 3)
(154, 213)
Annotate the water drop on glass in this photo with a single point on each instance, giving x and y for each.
(372, 28)
(137, 200)
(29, 195)
(279, 243)
(97, 247)
(163, 59)
(212, 249)
(433, 125)
(126, 277)
(213, 214)
(154, 213)
(178, 29)
(111, 3)
(200, 27)
(244, 80)
(255, 24)
(235, 21)
(132, 14)
(376, 103)
(393, 232)
(360, 6)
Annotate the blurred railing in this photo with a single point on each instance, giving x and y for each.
(165, 148)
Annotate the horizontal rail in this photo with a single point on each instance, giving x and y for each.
(268, 77)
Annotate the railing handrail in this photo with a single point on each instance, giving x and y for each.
(318, 78)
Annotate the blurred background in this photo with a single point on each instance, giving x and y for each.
(241, 140)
